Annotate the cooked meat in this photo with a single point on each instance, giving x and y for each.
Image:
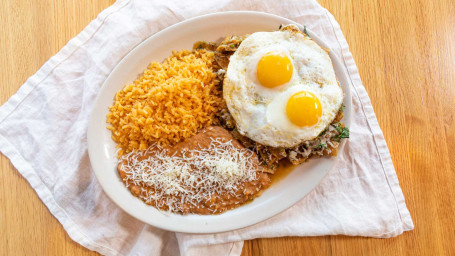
(223, 50)
(231, 43)
(325, 144)
(226, 48)
(210, 46)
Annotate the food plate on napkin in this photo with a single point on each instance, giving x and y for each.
(103, 152)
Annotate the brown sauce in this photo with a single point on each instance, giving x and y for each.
(282, 171)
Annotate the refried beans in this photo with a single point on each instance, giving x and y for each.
(208, 173)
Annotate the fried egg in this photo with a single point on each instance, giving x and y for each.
(281, 89)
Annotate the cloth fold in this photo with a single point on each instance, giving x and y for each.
(43, 131)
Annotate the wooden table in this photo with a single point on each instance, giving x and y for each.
(405, 51)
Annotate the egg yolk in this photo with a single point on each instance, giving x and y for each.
(304, 109)
(274, 69)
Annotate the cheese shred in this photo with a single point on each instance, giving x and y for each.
(179, 182)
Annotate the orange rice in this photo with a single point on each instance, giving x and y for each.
(171, 101)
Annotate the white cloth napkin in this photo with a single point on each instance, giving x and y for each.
(43, 130)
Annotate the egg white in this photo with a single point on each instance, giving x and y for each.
(260, 112)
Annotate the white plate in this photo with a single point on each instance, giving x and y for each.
(102, 151)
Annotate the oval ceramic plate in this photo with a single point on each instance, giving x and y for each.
(102, 151)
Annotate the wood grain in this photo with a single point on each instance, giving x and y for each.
(405, 52)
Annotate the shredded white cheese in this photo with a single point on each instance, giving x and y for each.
(191, 179)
